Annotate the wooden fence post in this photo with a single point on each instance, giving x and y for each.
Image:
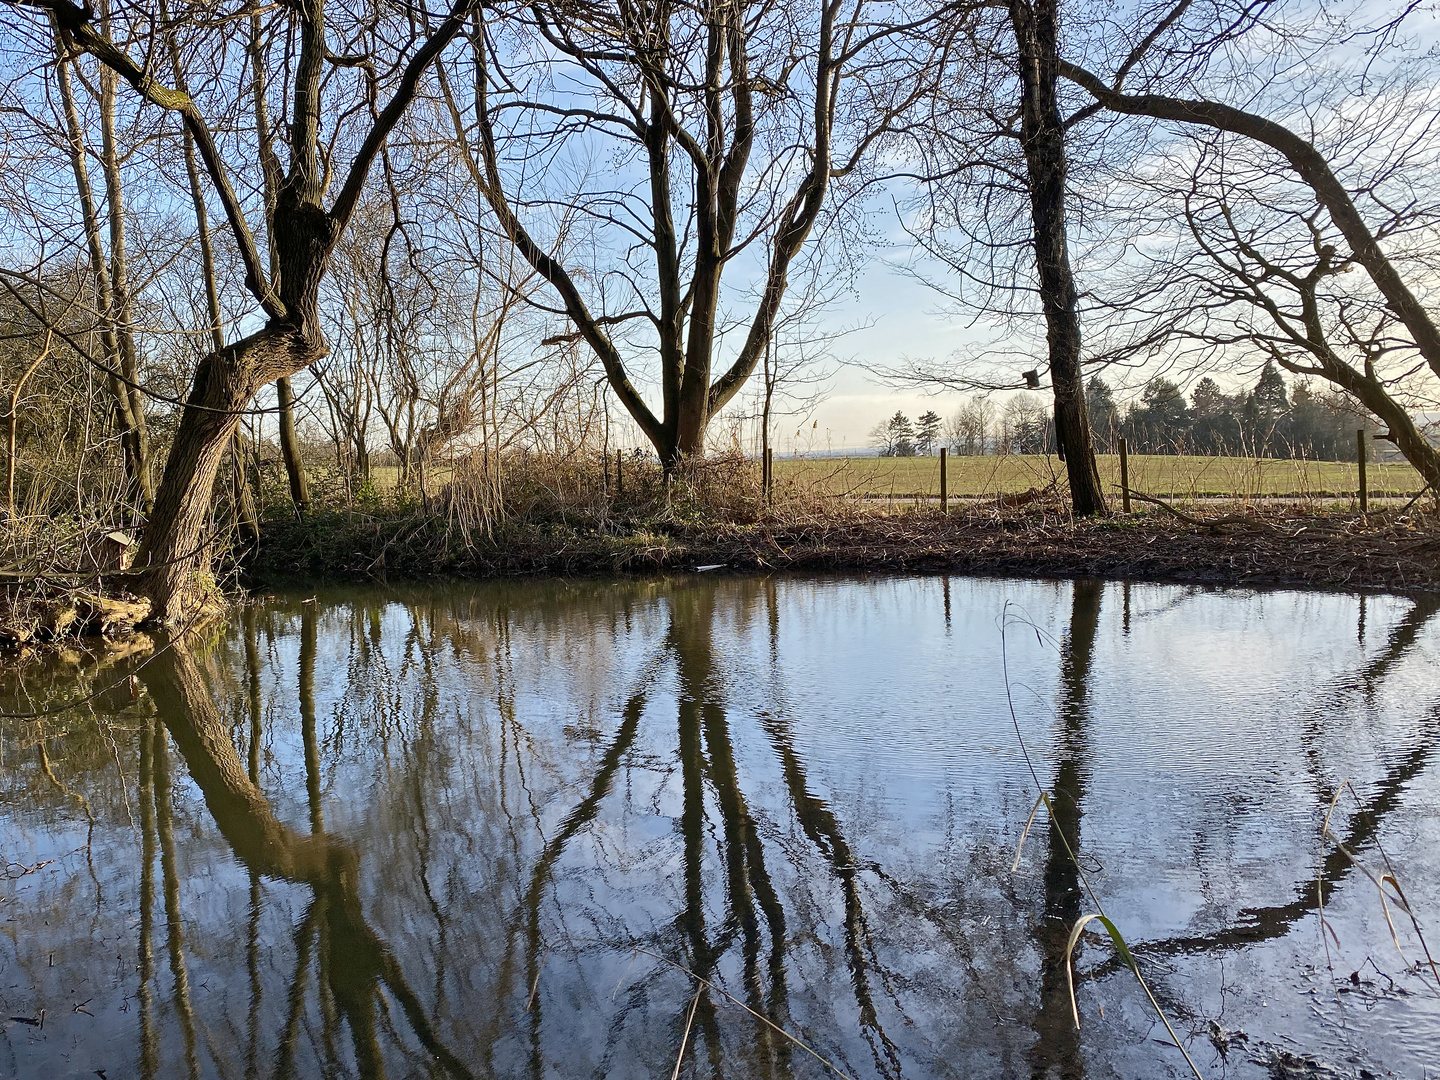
(1360, 458)
(944, 490)
(769, 479)
(1124, 476)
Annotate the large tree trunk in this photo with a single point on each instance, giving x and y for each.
(177, 539)
(247, 522)
(1043, 140)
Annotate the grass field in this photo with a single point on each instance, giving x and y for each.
(1168, 476)
(1164, 475)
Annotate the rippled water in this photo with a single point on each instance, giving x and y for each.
(500, 830)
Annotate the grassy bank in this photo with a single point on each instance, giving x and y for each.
(568, 517)
(1286, 546)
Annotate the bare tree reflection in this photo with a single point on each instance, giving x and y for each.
(254, 700)
(360, 964)
(145, 962)
(506, 836)
(175, 938)
(1256, 924)
(1056, 1052)
(714, 809)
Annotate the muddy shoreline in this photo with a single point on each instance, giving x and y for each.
(1280, 548)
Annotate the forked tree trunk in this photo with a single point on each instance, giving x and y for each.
(685, 308)
(173, 553)
(247, 522)
(1043, 141)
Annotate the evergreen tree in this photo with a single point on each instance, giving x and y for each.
(927, 431)
(1104, 416)
(895, 437)
(1215, 419)
(1265, 406)
(1161, 422)
(1269, 395)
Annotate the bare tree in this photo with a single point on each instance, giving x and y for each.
(968, 432)
(994, 150)
(110, 275)
(1036, 26)
(1273, 223)
(722, 127)
(1253, 265)
(302, 238)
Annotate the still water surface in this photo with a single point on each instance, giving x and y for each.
(493, 830)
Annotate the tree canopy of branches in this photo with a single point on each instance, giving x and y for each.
(1260, 195)
(693, 139)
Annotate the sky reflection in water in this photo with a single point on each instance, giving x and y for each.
(486, 830)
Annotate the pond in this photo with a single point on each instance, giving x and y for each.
(730, 827)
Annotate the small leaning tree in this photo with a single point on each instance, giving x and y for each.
(303, 230)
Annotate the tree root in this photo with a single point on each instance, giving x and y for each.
(70, 614)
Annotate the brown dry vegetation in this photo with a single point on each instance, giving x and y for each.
(566, 521)
(566, 516)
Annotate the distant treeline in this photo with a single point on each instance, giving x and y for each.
(1270, 419)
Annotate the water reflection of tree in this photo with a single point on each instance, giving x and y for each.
(359, 963)
(1268, 922)
(754, 914)
(1057, 1044)
(741, 869)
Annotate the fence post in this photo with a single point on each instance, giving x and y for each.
(769, 479)
(1360, 458)
(1124, 476)
(619, 472)
(944, 491)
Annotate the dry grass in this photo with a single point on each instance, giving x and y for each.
(1170, 476)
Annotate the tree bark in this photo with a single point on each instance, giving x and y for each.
(1042, 134)
(290, 448)
(176, 541)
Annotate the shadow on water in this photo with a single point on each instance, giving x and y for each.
(492, 881)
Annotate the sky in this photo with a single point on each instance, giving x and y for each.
(900, 319)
